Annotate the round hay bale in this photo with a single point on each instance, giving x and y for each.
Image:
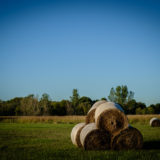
(110, 117)
(75, 134)
(155, 122)
(90, 115)
(129, 138)
(93, 138)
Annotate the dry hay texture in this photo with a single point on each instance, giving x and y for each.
(110, 117)
(75, 134)
(90, 118)
(129, 138)
(155, 122)
(93, 138)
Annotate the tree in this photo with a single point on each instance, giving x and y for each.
(130, 107)
(45, 104)
(140, 105)
(151, 109)
(157, 108)
(104, 98)
(85, 99)
(8, 108)
(83, 108)
(84, 104)
(58, 108)
(74, 99)
(121, 95)
(112, 96)
(29, 106)
(68, 107)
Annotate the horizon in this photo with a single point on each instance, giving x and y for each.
(55, 46)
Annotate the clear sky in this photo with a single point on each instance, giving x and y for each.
(55, 46)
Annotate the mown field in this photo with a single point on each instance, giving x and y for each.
(26, 138)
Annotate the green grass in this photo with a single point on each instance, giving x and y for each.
(45, 141)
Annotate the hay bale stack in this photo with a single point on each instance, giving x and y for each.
(93, 138)
(90, 115)
(75, 134)
(129, 138)
(155, 122)
(110, 130)
(110, 117)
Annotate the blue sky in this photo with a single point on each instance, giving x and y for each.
(55, 46)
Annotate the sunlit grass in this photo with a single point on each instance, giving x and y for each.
(40, 141)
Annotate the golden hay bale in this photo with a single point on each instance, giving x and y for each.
(129, 138)
(110, 117)
(90, 115)
(75, 134)
(93, 138)
(155, 122)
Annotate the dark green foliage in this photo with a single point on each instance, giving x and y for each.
(80, 105)
(31, 105)
(130, 107)
(85, 99)
(103, 98)
(8, 108)
(84, 104)
(157, 108)
(58, 108)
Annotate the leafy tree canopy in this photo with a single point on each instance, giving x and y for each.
(120, 95)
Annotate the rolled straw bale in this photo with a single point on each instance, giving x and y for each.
(90, 115)
(129, 138)
(155, 122)
(93, 138)
(110, 117)
(75, 134)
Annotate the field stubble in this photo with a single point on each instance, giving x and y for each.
(142, 119)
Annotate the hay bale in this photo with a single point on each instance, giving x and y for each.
(110, 117)
(129, 138)
(90, 115)
(155, 122)
(93, 138)
(75, 134)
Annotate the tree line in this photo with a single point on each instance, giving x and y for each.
(76, 105)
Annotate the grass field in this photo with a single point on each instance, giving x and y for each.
(25, 141)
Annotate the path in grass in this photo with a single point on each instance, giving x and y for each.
(41, 141)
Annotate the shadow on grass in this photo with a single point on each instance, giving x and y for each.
(151, 145)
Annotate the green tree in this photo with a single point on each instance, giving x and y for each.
(83, 108)
(85, 99)
(157, 108)
(121, 95)
(8, 108)
(140, 105)
(44, 103)
(58, 108)
(84, 104)
(130, 107)
(68, 107)
(75, 99)
(103, 98)
(151, 109)
(29, 106)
